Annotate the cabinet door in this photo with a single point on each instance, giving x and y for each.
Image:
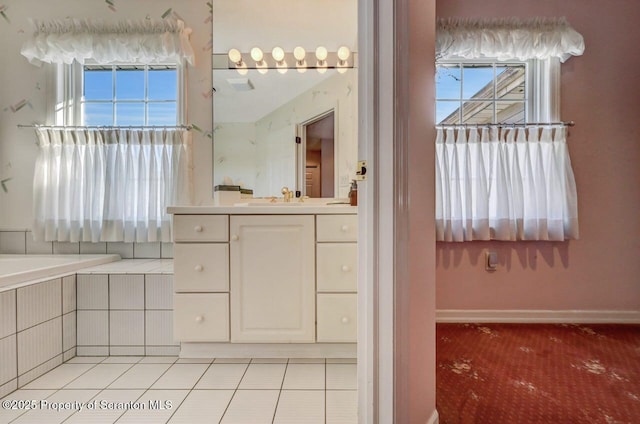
(272, 278)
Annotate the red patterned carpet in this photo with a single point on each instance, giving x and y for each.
(538, 373)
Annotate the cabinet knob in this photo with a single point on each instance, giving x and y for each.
(235, 237)
(197, 228)
(198, 268)
(345, 268)
(199, 318)
(344, 228)
(345, 320)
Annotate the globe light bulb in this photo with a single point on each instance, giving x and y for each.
(321, 53)
(256, 54)
(299, 53)
(278, 54)
(235, 56)
(344, 53)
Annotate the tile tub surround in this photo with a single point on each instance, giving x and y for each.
(20, 242)
(201, 390)
(37, 330)
(124, 311)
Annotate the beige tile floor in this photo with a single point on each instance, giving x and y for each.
(190, 391)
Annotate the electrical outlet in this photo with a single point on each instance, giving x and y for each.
(491, 261)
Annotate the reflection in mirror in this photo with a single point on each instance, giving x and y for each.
(318, 148)
(265, 121)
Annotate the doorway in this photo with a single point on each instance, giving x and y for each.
(317, 156)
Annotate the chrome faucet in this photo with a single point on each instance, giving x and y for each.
(287, 194)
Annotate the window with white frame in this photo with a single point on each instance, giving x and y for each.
(137, 95)
(472, 91)
(144, 95)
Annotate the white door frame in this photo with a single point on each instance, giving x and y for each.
(376, 240)
(396, 332)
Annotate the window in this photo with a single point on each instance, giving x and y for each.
(129, 95)
(119, 95)
(489, 92)
(481, 93)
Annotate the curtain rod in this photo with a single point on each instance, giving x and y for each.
(106, 127)
(504, 125)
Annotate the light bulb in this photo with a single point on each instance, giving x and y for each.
(321, 53)
(278, 54)
(256, 54)
(344, 53)
(322, 69)
(235, 56)
(299, 53)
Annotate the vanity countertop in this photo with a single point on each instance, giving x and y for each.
(265, 209)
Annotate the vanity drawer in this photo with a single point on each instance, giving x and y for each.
(337, 228)
(200, 228)
(337, 266)
(201, 267)
(201, 317)
(337, 317)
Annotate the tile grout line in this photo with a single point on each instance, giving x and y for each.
(235, 390)
(325, 390)
(144, 391)
(100, 391)
(275, 410)
(189, 392)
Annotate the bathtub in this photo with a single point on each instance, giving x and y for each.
(18, 269)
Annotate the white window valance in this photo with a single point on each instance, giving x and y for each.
(145, 42)
(507, 39)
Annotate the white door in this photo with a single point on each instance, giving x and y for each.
(272, 271)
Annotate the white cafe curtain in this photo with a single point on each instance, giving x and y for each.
(507, 39)
(144, 42)
(109, 184)
(504, 184)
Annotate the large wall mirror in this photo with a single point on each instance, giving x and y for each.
(294, 126)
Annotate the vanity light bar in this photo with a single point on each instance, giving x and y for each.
(279, 59)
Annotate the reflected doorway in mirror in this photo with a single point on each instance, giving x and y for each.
(316, 155)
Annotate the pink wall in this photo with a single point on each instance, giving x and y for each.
(601, 93)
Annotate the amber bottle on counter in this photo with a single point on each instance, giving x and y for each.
(353, 193)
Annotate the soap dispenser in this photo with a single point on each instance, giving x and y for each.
(353, 193)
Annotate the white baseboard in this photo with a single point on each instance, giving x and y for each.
(268, 350)
(434, 418)
(539, 316)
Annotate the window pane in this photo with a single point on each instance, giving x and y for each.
(98, 114)
(447, 112)
(477, 81)
(162, 113)
(162, 84)
(510, 82)
(129, 84)
(130, 113)
(448, 82)
(474, 112)
(98, 85)
(510, 112)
